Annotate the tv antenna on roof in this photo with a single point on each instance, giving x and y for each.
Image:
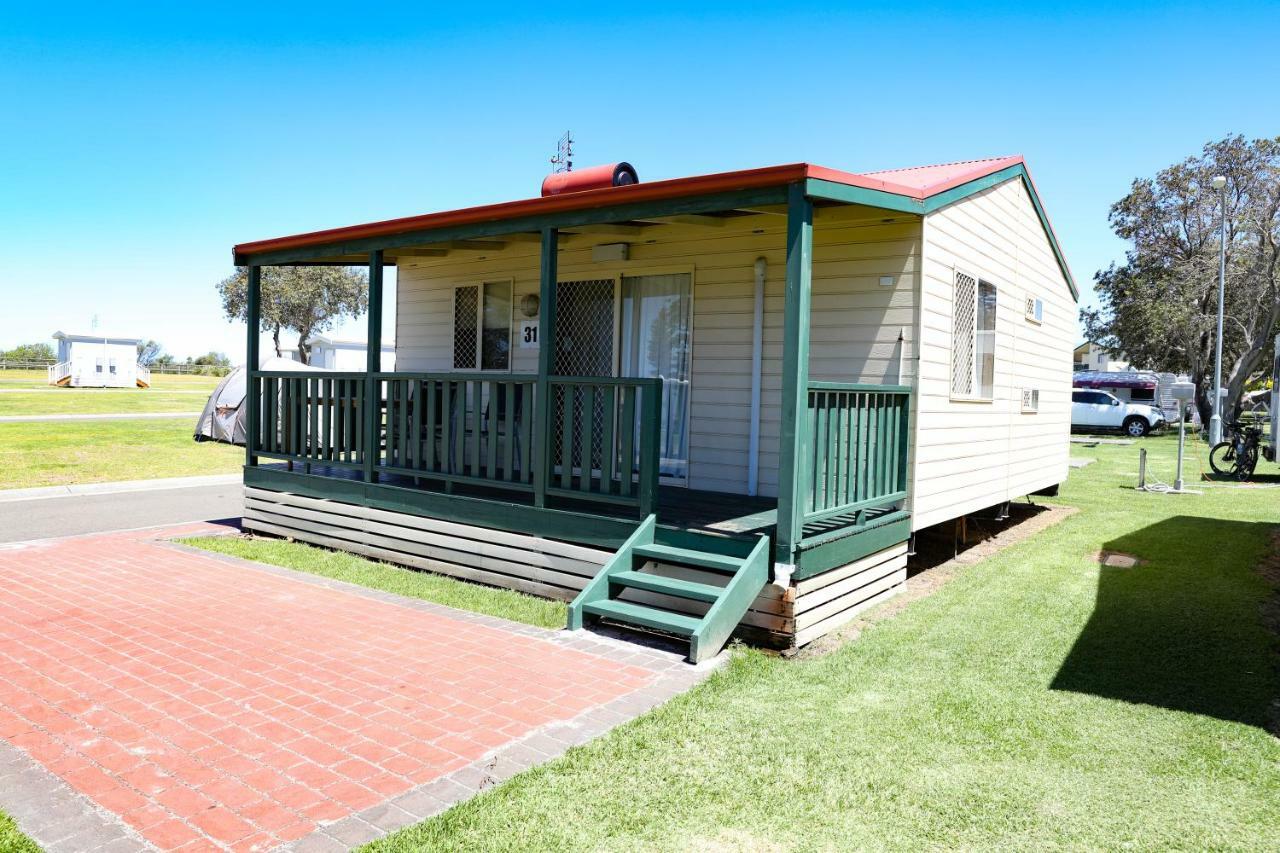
(563, 161)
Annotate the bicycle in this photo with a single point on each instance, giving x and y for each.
(1237, 456)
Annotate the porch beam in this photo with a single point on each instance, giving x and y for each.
(793, 433)
(700, 219)
(546, 364)
(610, 230)
(765, 210)
(253, 316)
(710, 203)
(373, 365)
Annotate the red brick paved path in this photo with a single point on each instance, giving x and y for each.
(214, 704)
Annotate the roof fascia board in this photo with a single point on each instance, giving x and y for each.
(818, 188)
(705, 203)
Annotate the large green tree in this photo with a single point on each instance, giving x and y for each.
(29, 352)
(1160, 306)
(304, 300)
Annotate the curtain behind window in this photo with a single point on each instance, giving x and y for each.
(656, 341)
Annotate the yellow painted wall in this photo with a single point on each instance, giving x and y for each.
(856, 320)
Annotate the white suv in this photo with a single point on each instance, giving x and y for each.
(1098, 410)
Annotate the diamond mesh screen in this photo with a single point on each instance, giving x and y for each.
(466, 302)
(962, 343)
(584, 347)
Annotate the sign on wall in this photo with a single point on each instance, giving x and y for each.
(528, 334)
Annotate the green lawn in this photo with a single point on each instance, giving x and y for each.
(1037, 701)
(37, 379)
(61, 453)
(429, 587)
(95, 401)
(13, 841)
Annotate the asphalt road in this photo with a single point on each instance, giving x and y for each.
(71, 515)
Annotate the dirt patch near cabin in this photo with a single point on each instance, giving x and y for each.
(940, 556)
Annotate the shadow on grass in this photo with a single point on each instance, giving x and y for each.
(1182, 630)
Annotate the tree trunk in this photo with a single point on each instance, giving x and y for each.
(304, 348)
(275, 337)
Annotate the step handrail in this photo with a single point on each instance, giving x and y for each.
(727, 611)
(597, 589)
(58, 372)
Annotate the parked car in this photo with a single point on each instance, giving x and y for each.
(1098, 410)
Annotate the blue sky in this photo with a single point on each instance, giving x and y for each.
(140, 143)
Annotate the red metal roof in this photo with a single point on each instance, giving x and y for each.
(931, 180)
(918, 184)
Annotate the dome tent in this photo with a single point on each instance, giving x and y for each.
(223, 418)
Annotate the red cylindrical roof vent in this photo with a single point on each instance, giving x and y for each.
(590, 178)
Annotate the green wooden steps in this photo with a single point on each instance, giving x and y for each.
(707, 633)
(649, 617)
(667, 586)
(689, 557)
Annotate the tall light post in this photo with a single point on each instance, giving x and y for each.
(1215, 422)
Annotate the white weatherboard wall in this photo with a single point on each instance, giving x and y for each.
(856, 319)
(104, 364)
(973, 455)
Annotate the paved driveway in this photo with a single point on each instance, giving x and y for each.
(154, 696)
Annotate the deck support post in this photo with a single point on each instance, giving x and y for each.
(546, 363)
(373, 364)
(793, 433)
(253, 317)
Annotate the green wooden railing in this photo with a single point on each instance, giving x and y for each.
(597, 438)
(603, 439)
(459, 427)
(313, 418)
(857, 449)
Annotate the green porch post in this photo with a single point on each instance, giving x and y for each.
(546, 363)
(794, 436)
(253, 417)
(373, 364)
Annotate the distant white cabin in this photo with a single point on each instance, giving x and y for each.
(98, 361)
(337, 354)
(1090, 356)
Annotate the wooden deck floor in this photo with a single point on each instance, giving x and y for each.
(690, 509)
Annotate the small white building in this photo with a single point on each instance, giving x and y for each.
(1091, 356)
(337, 354)
(98, 361)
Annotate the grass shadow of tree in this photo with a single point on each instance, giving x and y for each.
(1182, 630)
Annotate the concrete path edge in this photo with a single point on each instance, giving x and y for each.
(117, 486)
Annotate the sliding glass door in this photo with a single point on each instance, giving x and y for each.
(656, 341)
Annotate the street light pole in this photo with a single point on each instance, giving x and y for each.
(1215, 422)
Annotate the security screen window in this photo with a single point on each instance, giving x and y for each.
(973, 339)
(482, 326)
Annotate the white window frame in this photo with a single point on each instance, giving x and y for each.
(479, 325)
(975, 364)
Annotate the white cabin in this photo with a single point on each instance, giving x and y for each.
(779, 373)
(98, 361)
(338, 354)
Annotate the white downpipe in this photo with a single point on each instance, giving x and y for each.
(757, 357)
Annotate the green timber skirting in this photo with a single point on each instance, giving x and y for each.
(555, 554)
(834, 552)
(600, 531)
